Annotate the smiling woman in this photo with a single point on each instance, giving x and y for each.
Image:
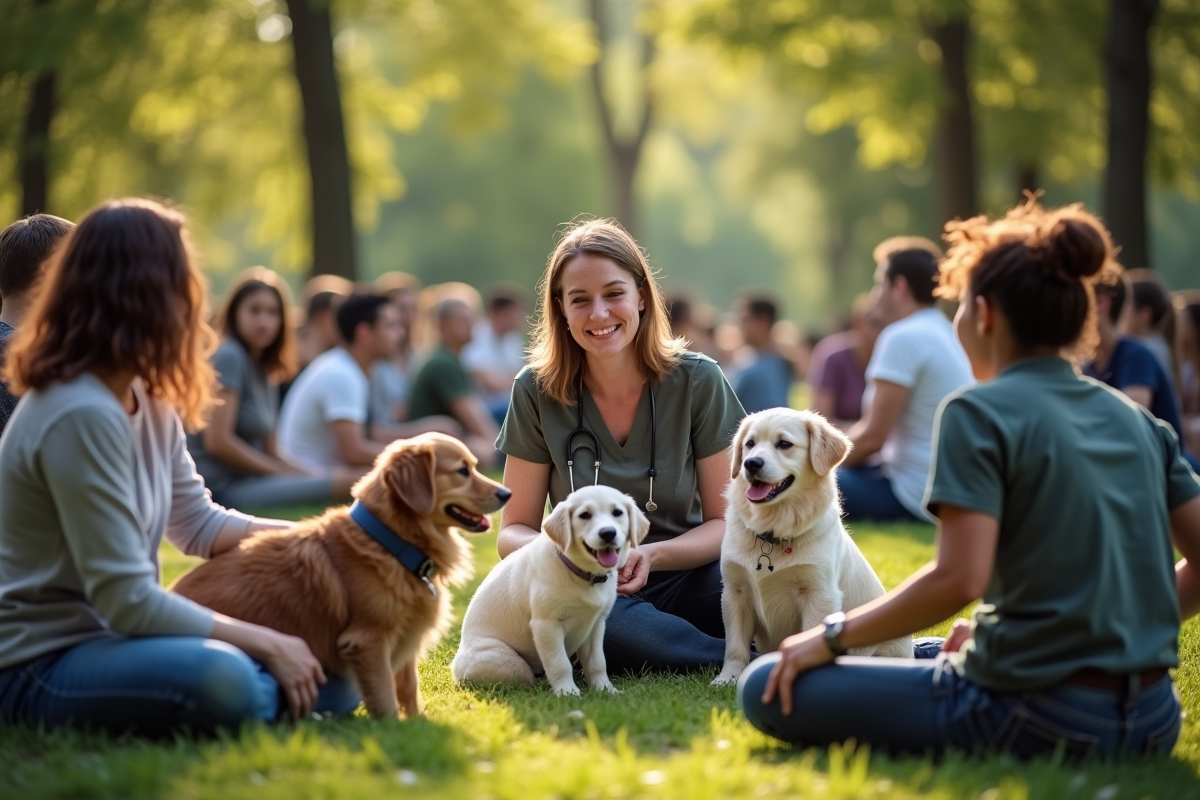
(610, 397)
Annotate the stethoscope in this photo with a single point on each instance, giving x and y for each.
(651, 506)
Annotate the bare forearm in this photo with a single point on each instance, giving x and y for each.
(925, 599)
(866, 444)
(1187, 584)
(229, 537)
(699, 546)
(513, 537)
(234, 452)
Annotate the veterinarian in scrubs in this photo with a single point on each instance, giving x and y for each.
(656, 422)
(93, 472)
(1066, 533)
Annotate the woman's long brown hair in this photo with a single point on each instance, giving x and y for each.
(122, 295)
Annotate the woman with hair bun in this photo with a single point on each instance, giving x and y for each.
(1065, 534)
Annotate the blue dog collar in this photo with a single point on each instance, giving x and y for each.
(407, 554)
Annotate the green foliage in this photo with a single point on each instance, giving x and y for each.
(666, 737)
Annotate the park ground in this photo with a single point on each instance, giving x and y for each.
(665, 737)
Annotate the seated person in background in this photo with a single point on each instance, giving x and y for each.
(390, 378)
(693, 321)
(763, 382)
(916, 363)
(319, 333)
(324, 419)
(442, 386)
(236, 453)
(496, 352)
(839, 366)
(1152, 320)
(1128, 365)
(25, 249)
(1188, 305)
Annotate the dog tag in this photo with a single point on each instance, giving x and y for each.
(432, 588)
(651, 506)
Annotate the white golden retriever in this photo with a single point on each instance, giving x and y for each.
(550, 599)
(786, 561)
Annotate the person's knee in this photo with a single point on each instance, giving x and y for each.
(228, 689)
(750, 690)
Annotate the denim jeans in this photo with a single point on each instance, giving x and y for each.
(925, 706)
(673, 624)
(152, 686)
(867, 494)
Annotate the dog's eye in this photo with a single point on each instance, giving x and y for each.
(783, 444)
(749, 443)
(585, 515)
(617, 512)
(465, 472)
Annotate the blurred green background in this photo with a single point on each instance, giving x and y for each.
(773, 142)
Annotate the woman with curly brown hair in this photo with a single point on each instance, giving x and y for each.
(1058, 502)
(93, 473)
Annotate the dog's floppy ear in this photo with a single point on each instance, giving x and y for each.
(409, 476)
(827, 446)
(558, 525)
(738, 438)
(639, 525)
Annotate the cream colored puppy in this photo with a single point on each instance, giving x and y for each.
(786, 561)
(550, 599)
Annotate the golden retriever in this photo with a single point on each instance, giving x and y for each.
(551, 598)
(787, 561)
(365, 616)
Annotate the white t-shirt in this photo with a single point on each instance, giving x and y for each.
(486, 350)
(920, 353)
(332, 388)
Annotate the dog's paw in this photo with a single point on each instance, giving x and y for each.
(726, 678)
(569, 690)
(605, 686)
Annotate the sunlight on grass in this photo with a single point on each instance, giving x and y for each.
(664, 737)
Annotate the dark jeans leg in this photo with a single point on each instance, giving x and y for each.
(899, 705)
(867, 494)
(152, 686)
(674, 624)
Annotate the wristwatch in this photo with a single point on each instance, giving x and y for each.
(833, 629)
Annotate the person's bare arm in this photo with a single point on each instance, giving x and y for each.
(386, 434)
(1142, 395)
(879, 418)
(474, 417)
(222, 442)
(824, 402)
(353, 446)
(701, 545)
(966, 554)
(521, 519)
(492, 381)
(1185, 531)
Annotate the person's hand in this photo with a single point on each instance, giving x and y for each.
(960, 634)
(799, 653)
(297, 670)
(632, 577)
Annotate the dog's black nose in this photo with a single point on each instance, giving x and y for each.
(608, 534)
(502, 495)
(753, 465)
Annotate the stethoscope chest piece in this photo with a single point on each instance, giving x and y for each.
(592, 442)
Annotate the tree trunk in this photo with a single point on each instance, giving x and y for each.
(333, 240)
(1127, 64)
(623, 156)
(35, 143)
(35, 146)
(1027, 179)
(954, 139)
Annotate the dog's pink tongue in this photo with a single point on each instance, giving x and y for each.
(759, 491)
(607, 557)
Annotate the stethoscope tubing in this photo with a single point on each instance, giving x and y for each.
(582, 430)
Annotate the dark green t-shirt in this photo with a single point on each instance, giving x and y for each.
(1082, 480)
(698, 415)
(439, 382)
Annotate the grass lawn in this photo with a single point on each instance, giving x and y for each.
(665, 737)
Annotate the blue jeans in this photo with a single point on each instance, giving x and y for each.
(898, 705)
(673, 624)
(153, 686)
(867, 494)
